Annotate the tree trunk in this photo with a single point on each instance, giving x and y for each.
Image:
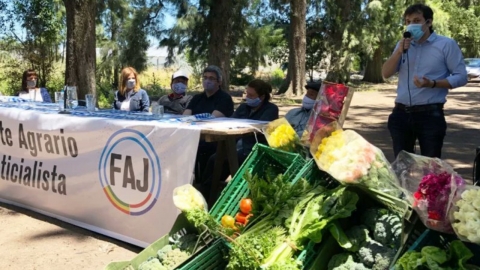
(286, 86)
(298, 19)
(373, 69)
(297, 44)
(81, 55)
(219, 45)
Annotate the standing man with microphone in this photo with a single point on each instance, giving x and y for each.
(428, 65)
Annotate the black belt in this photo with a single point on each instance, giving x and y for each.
(419, 108)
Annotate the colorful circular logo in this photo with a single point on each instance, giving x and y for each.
(129, 172)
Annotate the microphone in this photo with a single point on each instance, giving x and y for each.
(406, 35)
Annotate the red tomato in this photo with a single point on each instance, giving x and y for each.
(246, 206)
(241, 218)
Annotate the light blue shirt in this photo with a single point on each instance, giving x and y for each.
(437, 58)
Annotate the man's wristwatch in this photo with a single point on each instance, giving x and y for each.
(434, 84)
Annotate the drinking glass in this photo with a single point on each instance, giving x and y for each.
(59, 100)
(32, 95)
(90, 100)
(72, 99)
(157, 110)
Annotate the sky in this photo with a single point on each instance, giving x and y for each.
(152, 51)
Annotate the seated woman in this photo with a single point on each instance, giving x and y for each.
(29, 84)
(256, 107)
(129, 96)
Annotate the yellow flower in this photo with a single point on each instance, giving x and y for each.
(282, 136)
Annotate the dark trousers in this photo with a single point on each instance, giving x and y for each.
(206, 184)
(428, 126)
(204, 152)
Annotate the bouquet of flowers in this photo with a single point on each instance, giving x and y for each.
(430, 185)
(350, 159)
(465, 214)
(281, 135)
(327, 109)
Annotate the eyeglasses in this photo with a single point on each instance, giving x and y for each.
(209, 78)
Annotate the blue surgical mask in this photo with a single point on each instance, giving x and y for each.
(179, 88)
(253, 102)
(307, 103)
(208, 85)
(131, 84)
(416, 31)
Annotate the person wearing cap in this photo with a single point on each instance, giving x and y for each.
(213, 100)
(177, 101)
(298, 117)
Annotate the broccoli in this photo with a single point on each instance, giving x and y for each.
(385, 226)
(358, 236)
(151, 264)
(376, 256)
(345, 261)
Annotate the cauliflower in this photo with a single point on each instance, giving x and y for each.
(467, 216)
(375, 256)
(174, 258)
(151, 264)
(344, 261)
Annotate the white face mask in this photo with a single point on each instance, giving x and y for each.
(131, 84)
(31, 84)
(308, 103)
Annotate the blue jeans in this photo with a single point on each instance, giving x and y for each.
(429, 127)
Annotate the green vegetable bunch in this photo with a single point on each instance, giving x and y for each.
(372, 244)
(431, 257)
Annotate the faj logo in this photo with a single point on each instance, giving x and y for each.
(129, 172)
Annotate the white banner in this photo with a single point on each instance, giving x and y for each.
(111, 176)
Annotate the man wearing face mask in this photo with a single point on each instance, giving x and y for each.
(213, 100)
(257, 106)
(298, 117)
(428, 65)
(177, 101)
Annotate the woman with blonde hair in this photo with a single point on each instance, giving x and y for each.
(29, 83)
(129, 96)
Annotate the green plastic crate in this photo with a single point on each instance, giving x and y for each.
(181, 226)
(261, 158)
(213, 258)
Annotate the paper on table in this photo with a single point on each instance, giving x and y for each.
(230, 124)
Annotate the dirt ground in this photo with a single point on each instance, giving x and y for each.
(32, 241)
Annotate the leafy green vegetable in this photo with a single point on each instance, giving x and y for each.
(409, 261)
(339, 235)
(435, 258)
(461, 253)
(310, 217)
(273, 194)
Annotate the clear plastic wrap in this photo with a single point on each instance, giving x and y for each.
(281, 135)
(187, 198)
(327, 109)
(429, 185)
(465, 214)
(351, 159)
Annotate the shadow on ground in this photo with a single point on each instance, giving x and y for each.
(65, 229)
